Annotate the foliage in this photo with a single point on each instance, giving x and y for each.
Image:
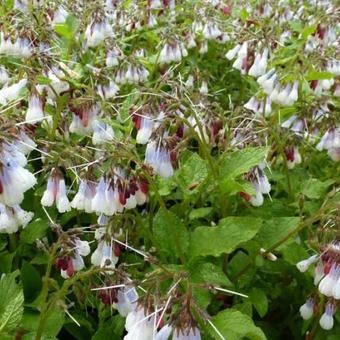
(172, 161)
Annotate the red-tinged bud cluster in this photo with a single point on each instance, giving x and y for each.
(246, 196)
(66, 264)
(313, 84)
(108, 297)
(289, 152)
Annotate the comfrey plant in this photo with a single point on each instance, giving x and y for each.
(165, 165)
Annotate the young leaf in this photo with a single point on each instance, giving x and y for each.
(259, 300)
(234, 325)
(276, 229)
(170, 234)
(11, 303)
(228, 235)
(241, 161)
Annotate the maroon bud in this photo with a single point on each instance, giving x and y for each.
(144, 187)
(246, 196)
(173, 156)
(137, 121)
(320, 31)
(289, 152)
(133, 188)
(70, 268)
(122, 197)
(327, 267)
(62, 263)
(226, 10)
(117, 250)
(313, 84)
(180, 131)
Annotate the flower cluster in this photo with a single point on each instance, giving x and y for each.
(327, 278)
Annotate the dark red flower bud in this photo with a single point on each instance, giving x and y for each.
(313, 84)
(246, 196)
(62, 263)
(117, 250)
(70, 268)
(289, 152)
(144, 187)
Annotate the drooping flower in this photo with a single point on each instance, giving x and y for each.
(104, 255)
(307, 309)
(96, 32)
(83, 118)
(330, 141)
(158, 157)
(102, 133)
(108, 91)
(14, 181)
(35, 111)
(75, 250)
(327, 320)
(55, 192)
(83, 199)
(293, 156)
(10, 93)
(172, 52)
(139, 325)
(11, 218)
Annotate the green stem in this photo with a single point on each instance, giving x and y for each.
(44, 293)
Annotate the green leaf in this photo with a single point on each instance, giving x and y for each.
(241, 161)
(68, 28)
(200, 213)
(293, 253)
(234, 325)
(314, 188)
(259, 300)
(307, 31)
(31, 280)
(192, 173)
(227, 236)
(54, 322)
(207, 272)
(111, 329)
(315, 75)
(11, 303)
(34, 231)
(170, 233)
(231, 187)
(6, 260)
(276, 229)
